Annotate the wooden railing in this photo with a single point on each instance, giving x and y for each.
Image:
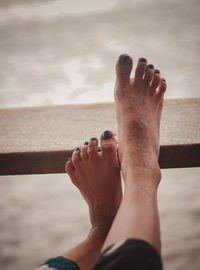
(40, 140)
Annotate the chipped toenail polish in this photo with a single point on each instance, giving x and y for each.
(124, 60)
(93, 139)
(142, 59)
(163, 80)
(150, 66)
(86, 143)
(157, 71)
(107, 135)
(77, 149)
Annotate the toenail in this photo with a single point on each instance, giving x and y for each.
(157, 71)
(150, 66)
(142, 59)
(93, 139)
(124, 60)
(77, 149)
(86, 143)
(163, 80)
(107, 135)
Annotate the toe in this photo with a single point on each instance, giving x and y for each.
(84, 148)
(108, 145)
(123, 70)
(149, 74)
(92, 148)
(156, 81)
(162, 88)
(140, 69)
(76, 159)
(69, 168)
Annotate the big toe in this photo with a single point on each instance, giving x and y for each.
(124, 67)
(108, 145)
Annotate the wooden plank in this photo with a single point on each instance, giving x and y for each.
(39, 140)
(179, 156)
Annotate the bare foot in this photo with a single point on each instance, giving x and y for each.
(139, 103)
(97, 176)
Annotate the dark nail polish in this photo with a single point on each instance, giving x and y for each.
(93, 139)
(142, 59)
(157, 71)
(124, 60)
(163, 80)
(86, 143)
(150, 66)
(77, 149)
(107, 135)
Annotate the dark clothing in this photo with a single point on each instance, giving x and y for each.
(132, 254)
(128, 254)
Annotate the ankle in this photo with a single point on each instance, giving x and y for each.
(98, 233)
(147, 173)
(138, 160)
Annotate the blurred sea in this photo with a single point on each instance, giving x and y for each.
(64, 52)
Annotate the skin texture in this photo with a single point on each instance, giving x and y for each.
(97, 176)
(138, 103)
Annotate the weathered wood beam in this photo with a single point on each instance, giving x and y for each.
(171, 156)
(40, 140)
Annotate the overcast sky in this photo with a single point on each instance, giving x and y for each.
(64, 51)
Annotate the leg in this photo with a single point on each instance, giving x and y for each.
(138, 104)
(97, 176)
